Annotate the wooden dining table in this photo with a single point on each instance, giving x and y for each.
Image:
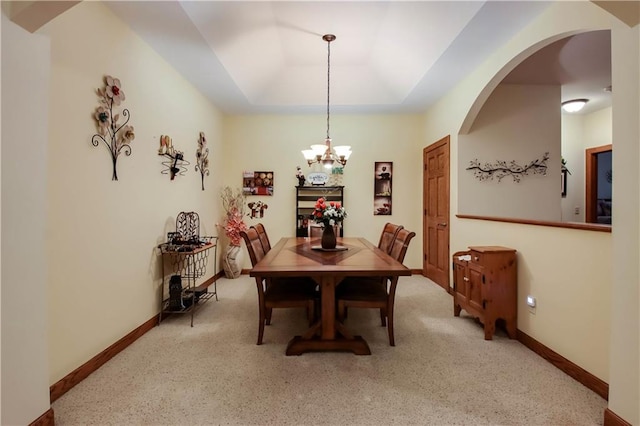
(292, 257)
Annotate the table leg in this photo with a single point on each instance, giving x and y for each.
(334, 336)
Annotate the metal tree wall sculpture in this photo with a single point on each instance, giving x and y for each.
(202, 158)
(501, 169)
(115, 136)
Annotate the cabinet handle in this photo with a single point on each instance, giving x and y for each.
(476, 258)
(465, 279)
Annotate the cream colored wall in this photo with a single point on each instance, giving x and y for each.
(624, 373)
(597, 128)
(580, 132)
(573, 152)
(104, 271)
(568, 271)
(517, 123)
(575, 277)
(274, 143)
(25, 83)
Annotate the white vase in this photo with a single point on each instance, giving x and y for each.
(232, 261)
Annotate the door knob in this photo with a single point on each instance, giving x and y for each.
(442, 224)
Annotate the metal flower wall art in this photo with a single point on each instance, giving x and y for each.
(202, 158)
(176, 164)
(500, 169)
(116, 136)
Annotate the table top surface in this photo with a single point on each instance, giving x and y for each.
(293, 256)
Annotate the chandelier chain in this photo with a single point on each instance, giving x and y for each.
(328, 81)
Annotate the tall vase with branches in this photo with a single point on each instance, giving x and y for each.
(233, 201)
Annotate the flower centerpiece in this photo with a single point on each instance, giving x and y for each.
(233, 204)
(330, 215)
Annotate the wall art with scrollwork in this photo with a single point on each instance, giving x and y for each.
(501, 169)
(116, 136)
(202, 158)
(175, 164)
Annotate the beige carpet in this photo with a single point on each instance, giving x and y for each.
(442, 372)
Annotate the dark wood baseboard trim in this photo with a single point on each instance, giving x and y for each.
(205, 284)
(417, 272)
(581, 375)
(47, 419)
(70, 380)
(612, 419)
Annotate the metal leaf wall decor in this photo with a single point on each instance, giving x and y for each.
(115, 136)
(500, 169)
(202, 158)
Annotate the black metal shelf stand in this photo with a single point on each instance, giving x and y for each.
(190, 263)
(186, 255)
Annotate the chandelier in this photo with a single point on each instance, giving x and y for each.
(325, 154)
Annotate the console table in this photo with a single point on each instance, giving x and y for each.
(188, 262)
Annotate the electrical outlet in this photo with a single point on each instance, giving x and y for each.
(531, 303)
(576, 210)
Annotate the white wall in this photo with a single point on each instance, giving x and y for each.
(274, 143)
(104, 270)
(25, 92)
(517, 123)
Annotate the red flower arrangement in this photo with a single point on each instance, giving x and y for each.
(328, 213)
(233, 226)
(233, 203)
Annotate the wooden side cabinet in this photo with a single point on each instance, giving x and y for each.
(485, 285)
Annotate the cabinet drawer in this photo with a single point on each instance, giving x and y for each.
(476, 257)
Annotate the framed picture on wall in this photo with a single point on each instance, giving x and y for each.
(382, 188)
(257, 183)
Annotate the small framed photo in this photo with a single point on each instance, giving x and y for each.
(257, 183)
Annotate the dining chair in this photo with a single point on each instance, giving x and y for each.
(290, 292)
(375, 293)
(315, 230)
(388, 235)
(264, 238)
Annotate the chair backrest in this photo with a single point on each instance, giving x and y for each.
(264, 239)
(315, 230)
(401, 244)
(388, 236)
(254, 246)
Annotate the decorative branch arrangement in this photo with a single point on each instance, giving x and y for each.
(501, 169)
(202, 158)
(116, 137)
(176, 164)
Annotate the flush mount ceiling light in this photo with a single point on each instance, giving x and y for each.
(574, 105)
(324, 154)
